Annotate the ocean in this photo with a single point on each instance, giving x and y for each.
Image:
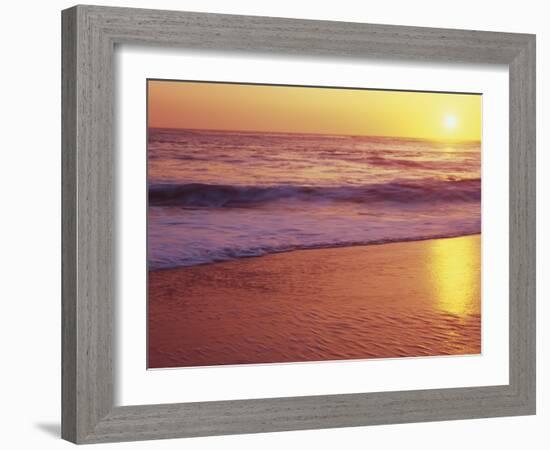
(216, 196)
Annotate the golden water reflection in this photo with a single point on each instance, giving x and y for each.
(455, 275)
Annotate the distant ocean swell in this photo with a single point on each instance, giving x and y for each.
(219, 195)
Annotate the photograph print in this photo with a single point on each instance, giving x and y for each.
(290, 224)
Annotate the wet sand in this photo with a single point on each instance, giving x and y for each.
(404, 299)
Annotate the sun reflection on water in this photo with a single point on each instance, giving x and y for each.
(455, 275)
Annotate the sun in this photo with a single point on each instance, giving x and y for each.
(450, 122)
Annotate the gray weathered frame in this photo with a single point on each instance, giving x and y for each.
(89, 36)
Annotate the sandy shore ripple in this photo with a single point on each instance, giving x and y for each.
(380, 301)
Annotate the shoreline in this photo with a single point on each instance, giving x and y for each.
(321, 247)
(399, 299)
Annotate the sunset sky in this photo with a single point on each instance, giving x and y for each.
(222, 106)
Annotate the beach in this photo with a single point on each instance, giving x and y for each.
(402, 299)
(294, 224)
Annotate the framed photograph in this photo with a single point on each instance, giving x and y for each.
(278, 224)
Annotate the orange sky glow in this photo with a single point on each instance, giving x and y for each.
(289, 109)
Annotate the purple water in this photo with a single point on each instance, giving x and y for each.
(216, 196)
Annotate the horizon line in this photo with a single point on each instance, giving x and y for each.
(311, 134)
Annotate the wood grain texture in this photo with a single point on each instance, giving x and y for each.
(89, 37)
(68, 225)
(523, 224)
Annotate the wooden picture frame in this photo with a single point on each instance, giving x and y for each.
(90, 34)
